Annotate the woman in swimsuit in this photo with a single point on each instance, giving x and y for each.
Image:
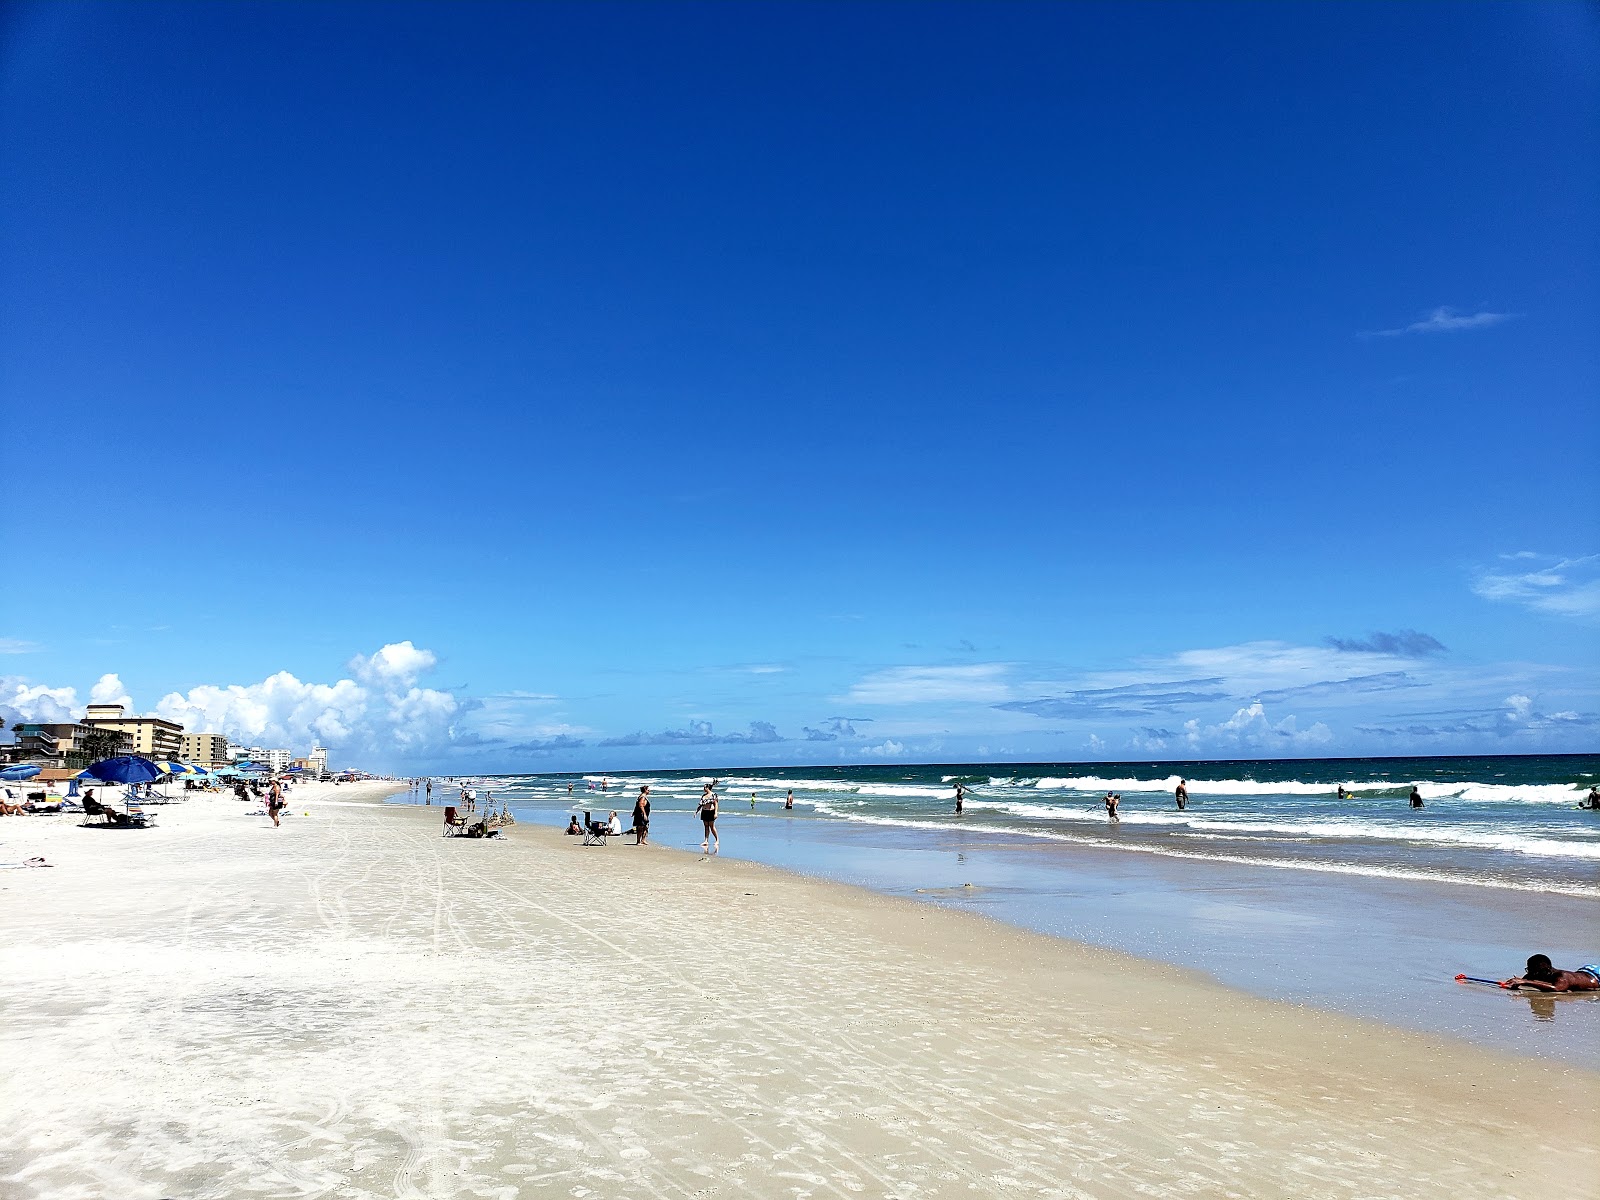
(641, 817)
(708, 818)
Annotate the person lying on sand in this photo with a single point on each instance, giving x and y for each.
(1543, 977)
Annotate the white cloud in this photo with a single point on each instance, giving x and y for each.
(21, 701)
(109, 690)
(10, 645)
(378, 716)
(1251, 729)
(397, 663)
(888, 749)
(977, 683)
(1447, 320)
(1564, 587)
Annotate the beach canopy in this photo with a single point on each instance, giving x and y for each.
(229, 772)
(19, 772)
(258, 768)
(125, 768)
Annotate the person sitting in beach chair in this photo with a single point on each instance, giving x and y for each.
(110, 816)
(454, 825)
(594, 832)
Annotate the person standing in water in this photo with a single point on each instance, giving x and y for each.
(789, 803)
(1416, 797)
(708, 818)
(752, 802)
(1112, 800)
(1183, 794)
(961, 798)
(430, 791)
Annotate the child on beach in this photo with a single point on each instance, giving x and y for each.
(1542, 976)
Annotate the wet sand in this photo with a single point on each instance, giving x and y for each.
(352, 1006)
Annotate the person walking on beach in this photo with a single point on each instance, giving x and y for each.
(1112, 800)
(641, 817)
(1416, 797)
(708, 818)
(789, 803)
(961, 798)
(275, 804)
(1183, 794)
(430, 791)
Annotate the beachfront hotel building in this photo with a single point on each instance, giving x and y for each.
(204, 749)
(277, 760)
(153, 737)
(65, 744)
(318, 760)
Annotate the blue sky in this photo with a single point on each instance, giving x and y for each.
(607, 386)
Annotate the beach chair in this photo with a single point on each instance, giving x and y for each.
(455, 825)
(595, 832)
(110, 816)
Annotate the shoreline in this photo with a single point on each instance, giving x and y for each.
(354, 1006)
(1377, 946)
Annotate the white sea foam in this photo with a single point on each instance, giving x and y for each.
(1580, 843)
(1168, 851)
(1532, 793)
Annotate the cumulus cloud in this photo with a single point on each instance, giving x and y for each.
(1446, 320)
(22, 701)
(1563, 587)
(888, 748)
(835, 728)
(977, 683)
(699, 733)
(380, 714)
(108, 689)
(1406, 643)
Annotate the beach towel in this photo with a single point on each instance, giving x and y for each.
(32, 862)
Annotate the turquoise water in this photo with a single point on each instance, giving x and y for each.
(1490, 821)
(1267, 882)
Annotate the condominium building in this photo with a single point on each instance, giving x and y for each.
(153, 737)
(65, 744)
(204, 749)
(318, 760)
(277, 760)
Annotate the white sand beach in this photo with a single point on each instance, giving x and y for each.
(352, 1006)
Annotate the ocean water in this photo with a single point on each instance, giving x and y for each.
(1268, 881)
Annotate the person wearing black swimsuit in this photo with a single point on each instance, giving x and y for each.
(641, 817)
(708, 818)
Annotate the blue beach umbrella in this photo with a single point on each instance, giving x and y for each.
(19, 772)
(125, 768)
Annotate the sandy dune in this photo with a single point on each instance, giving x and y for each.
(352, 1006)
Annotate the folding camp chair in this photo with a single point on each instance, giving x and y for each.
(595, 832)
